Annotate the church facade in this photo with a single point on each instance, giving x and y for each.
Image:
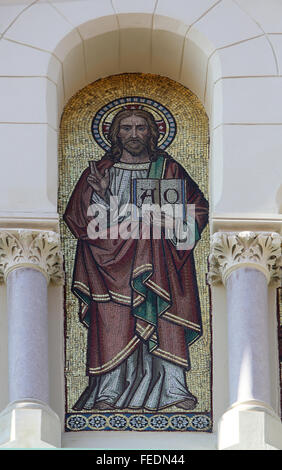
(228, 54)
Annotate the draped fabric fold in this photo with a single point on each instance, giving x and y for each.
(135, 290)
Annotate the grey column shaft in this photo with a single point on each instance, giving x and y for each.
(28, 334)
(247, 299)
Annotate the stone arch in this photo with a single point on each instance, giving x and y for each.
(63, 47)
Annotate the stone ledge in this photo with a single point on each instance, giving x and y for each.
(29, 424)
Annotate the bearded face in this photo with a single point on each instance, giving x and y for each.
(134, 134)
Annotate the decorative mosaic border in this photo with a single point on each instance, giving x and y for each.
(138, 422)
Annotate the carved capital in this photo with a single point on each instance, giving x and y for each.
(34, 249)
(230, 251)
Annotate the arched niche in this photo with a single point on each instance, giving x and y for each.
(184, 137)
(227, 68)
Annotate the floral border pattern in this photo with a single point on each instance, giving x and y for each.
(138, 422)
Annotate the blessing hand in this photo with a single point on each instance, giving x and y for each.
(100, 183)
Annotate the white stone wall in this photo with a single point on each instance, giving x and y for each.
(228, 52)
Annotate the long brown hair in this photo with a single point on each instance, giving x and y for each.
(116, 147)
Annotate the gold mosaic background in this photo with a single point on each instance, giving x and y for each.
(191, 149)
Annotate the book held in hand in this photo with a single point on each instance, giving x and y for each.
(158, 191)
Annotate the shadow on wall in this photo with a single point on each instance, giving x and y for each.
(279, 199)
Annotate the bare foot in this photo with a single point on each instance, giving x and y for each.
(188, 404)
(103, 405)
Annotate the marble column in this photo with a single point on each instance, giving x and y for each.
(29, 261)
(27, 335)
(246, 263)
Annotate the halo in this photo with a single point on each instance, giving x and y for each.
(103, 118)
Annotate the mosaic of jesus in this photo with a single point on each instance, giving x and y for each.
(137, 216)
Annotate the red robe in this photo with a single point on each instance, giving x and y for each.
(115, 279)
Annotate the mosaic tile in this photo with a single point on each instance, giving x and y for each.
(83, 137)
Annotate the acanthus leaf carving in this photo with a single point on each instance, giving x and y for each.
(37, 249)
(231, 250)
